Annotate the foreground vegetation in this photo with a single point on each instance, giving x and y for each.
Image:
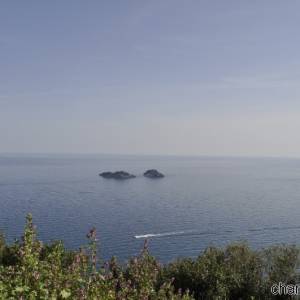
(31, 270)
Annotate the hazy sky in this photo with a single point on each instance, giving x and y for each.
(150, 77)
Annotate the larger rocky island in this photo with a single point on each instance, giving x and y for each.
(119, 175)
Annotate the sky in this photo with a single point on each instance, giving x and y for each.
(150, 77)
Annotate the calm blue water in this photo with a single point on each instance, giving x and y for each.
(200, 202)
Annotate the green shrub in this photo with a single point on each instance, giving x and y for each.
(31, 270)
(236, 272)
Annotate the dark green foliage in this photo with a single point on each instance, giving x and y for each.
(236, 272)
(31, 270)
(9, 255)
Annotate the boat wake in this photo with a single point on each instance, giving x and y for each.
(198, 233)
(145, 236)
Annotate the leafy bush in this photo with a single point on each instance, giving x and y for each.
(31, 270)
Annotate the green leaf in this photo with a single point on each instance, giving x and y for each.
(19, 289)
(65, 294)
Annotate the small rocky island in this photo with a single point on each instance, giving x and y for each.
(153, 174)
(119, 175)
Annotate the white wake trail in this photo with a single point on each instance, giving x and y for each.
(145, 236)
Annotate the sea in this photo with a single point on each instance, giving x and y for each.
(201, 202)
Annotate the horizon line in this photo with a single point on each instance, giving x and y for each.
(146, 154)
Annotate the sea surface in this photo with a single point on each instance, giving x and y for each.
(202, 201)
